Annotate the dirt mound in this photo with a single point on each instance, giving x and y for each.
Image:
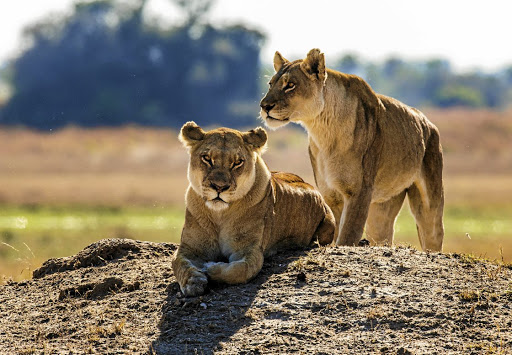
(101, 252)
(120, 296)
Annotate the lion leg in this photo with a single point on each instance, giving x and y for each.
(241, 267)
(426, 198)
(325, 230)
(353, 218)
(191, 279)
(380, 224)
(336, 207)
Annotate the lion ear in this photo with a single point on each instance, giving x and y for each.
(191, 134)
(256, 137)
(314, 65)
(279, 61)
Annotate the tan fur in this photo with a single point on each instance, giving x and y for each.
(367, 150)
(237, 212)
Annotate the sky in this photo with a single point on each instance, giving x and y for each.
(470, 34)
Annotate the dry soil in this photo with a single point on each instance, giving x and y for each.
(119, 296)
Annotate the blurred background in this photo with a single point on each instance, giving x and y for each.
(92, 94)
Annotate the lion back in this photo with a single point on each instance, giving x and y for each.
(299, 211)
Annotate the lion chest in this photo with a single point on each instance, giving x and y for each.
(336, 174)
(238, 235)
(231, 240)
(227, 241)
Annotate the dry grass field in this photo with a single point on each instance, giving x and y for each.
(61, 190)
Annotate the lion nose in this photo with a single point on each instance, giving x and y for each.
(219, 186)
(268, 107)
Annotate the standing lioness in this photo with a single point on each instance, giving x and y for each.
(238, 212)
(367, 150)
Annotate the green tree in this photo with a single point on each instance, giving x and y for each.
(350, 64)
(103, 66)
(458, 95)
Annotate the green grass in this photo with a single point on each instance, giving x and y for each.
(31, 235)
(480, 231)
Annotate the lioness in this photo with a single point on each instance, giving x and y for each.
(237, 211)
(367, 150)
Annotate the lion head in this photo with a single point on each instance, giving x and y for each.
(222, 162)
(295, 91)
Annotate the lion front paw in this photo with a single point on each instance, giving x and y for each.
(214, 269)
(195, 285)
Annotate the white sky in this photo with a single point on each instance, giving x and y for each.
(471, 34)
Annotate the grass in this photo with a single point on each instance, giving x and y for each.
(96, 332)
(480, 231)
(469, 296)
(31, 235)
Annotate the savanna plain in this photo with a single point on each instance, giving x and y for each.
(63, 190)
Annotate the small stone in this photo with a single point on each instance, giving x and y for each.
(363, 243)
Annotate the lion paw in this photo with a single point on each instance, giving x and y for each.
(214, 269)
(195, 285)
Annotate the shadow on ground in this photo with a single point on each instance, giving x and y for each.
(202, 324)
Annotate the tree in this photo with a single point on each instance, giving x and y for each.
(458, 95)
(350, 64)
(103, 66)
(195, 10)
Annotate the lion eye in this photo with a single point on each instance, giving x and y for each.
(289, 87)
(237, 164)
(206, 159)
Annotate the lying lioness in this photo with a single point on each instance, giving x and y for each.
(237, 211)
